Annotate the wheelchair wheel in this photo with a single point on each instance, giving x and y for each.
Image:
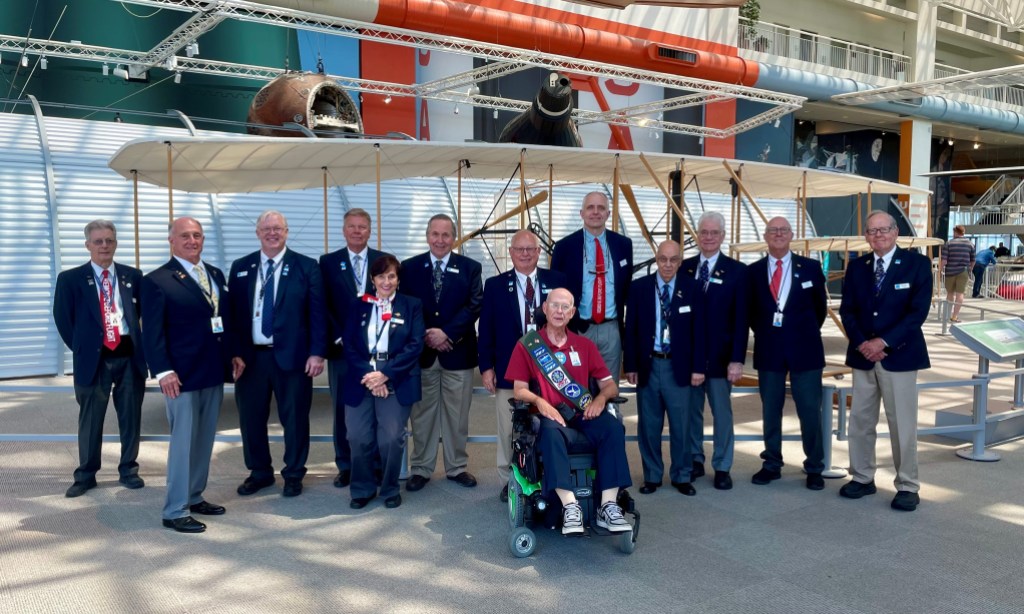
(522, 542)
(516, 504)
(626, 543)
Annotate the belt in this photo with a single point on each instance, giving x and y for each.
(665, 355)
(264, 348)
(606, 321)
(381, 356)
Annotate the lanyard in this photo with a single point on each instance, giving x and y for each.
(108, 298)
(607, 255)
(783, 284)
(378, 330)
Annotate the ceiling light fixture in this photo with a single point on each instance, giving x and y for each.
(177, 76)
(106, 69)
(192, 49)
(121, 71)
(43, 63)
(977, 145)
(456, 109)
(387, 99)
(949, 142)
(778, 121)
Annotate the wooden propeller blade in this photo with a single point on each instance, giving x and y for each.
(531, 202)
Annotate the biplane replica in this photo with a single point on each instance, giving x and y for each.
(266, 164)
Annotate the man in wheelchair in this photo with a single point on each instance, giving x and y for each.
(559, 363)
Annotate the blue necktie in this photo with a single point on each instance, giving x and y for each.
(704, 274)
(268, 302)
(438, 276)
(665, 303)
(879, 274)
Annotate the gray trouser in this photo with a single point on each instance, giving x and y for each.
(660, 397)
(718, 391)
(193, 420)
(609, 344)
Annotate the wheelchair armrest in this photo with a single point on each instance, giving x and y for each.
(517, 405)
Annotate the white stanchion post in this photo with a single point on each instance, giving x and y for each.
(826, 426)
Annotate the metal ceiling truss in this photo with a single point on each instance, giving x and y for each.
(1008, 75)
(457, 88)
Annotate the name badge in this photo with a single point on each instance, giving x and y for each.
(574, 358)
(242, 274)
(807, 284)
(344, 267)
(903, 286)
(114, 318)
(622, 262)
(397, 321)
(217, 325)
(531, 328)
(777, 319)
(715, 280)
(452, 269)
(684, 309)
(666, 337)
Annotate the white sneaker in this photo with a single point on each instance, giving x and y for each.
(572, 519)
(609, 518)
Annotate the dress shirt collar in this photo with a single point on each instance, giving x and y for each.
(662, 283)
(277, 259)
(886, 258)
(785, 261)
(188, 266)
(712, 260)
(444, 261)
(98, 270)
(365, 254)
(521, 277)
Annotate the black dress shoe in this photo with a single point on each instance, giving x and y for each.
(360, 502)
(78, 488)
(463, 479)
(686, 488)
(698, 470)
(416, 482)
(187, 524)
(343, 479)
(723, 481)
(393, 502)
(649, 487)
(856, 490)
(207, 509)
(765, 476)
(292, 487)
(503, 495)
(252, 486)
(815, 481)
(132, 482)
(905, 501)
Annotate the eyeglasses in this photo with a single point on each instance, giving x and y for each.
(673, 259)
(524, 250)
(560, 306)
(710, 233)
(98, 242)
(273, 229)
(878, 231)
(777, 230)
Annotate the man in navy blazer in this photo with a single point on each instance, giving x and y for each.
(184, 307)
(450, 289)
(788, 305)
(664, 355)
(724, 287)
(279, 338)
(346, 276)
(886, 298)
(96, 309)
(510, 309)
(575, 256)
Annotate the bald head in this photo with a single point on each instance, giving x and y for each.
(668, 258)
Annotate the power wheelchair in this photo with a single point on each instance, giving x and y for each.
(526, 504)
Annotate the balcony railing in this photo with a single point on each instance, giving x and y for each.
(817, 49)
(834, 53)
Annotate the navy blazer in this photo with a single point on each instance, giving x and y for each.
(462, 294)
(340, 292)
(684, 325)
(300, 324)
(405, 343)
(724, 313)
(501, 324)
(567, 258)
(796, 345)
(177, 335)
(76, 311)
(896, 313)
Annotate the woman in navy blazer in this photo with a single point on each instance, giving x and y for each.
(383, 339)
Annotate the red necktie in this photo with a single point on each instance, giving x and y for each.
(776, 280)
(597, 313)
(111, 331)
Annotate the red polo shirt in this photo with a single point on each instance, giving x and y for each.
(521, 366)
